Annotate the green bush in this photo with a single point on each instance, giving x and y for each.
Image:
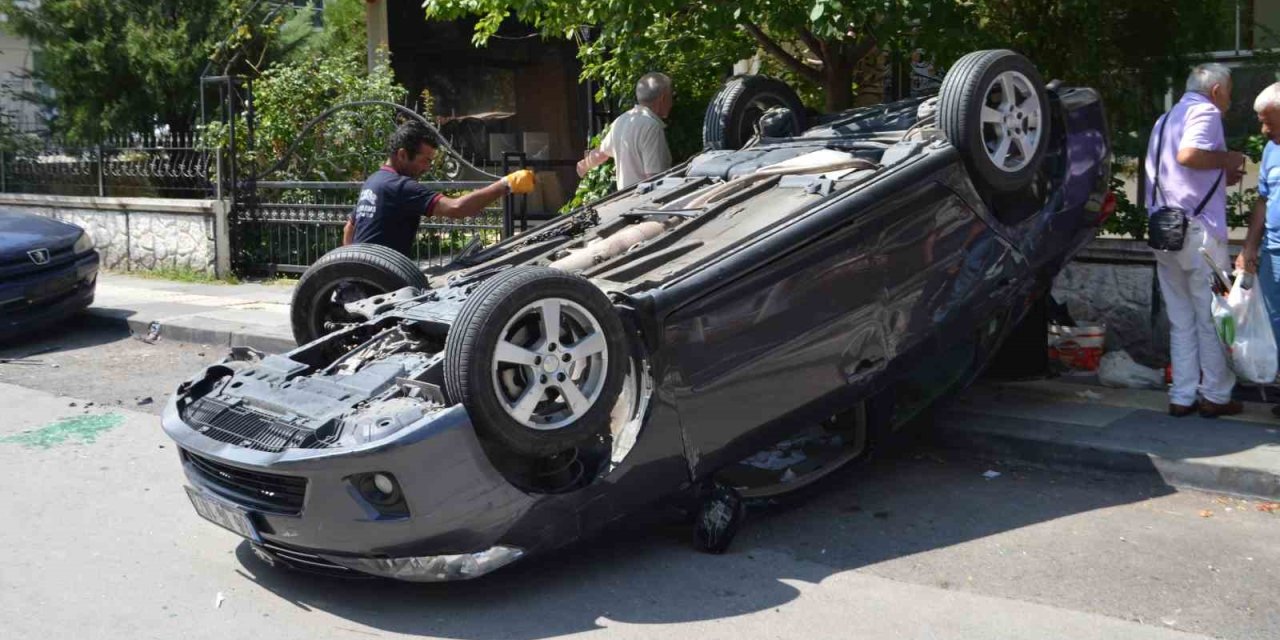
(346, 146)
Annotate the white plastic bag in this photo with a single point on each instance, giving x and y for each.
(1245, 329)
(1118, 369)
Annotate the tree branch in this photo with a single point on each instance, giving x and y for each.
(813, 43)
(773, 49)
(864, 46)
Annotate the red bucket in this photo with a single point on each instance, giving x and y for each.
(1078, 347)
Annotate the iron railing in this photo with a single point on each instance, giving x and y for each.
(289, 225)
(158, 166)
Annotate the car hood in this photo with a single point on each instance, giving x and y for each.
(22, 232)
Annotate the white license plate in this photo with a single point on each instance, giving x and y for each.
(229, 517)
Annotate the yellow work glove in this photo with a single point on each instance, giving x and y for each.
(520, 181)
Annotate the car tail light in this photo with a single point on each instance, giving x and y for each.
(1108, 207)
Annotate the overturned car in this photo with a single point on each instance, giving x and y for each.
(842, 273)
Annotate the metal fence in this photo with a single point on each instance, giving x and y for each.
(157, 166)
(286, 226)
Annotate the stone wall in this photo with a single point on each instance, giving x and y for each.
(141, 233)
(1111, 282)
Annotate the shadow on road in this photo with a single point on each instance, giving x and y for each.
(76, 332)
(645, 572)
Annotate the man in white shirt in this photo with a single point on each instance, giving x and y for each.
(637, 140)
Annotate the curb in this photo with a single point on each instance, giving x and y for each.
(1187, 473)
(209, 332)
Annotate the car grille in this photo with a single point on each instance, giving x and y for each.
(253, 489)
(309, 562)
(246, 427)
(21, 265)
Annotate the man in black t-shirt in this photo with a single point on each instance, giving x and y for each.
(392, 201)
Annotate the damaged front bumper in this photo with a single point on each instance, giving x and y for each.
(305, 507)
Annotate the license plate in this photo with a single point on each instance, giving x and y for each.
(229, 517)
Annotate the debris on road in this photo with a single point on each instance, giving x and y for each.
(1092, 396)
(1119, 370)
(153, 333)
(142, 402)
(1206, 513)
(991, 474)
(217, 600)
(1269, 507)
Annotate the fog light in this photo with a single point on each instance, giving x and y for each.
(463, 566)
(380, 493)
(384, 483)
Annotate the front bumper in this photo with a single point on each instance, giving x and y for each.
(31, 301)
(306, 512)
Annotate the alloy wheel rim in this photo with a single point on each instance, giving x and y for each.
(549, 364)
(1012, 119)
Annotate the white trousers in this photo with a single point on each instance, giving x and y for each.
(1199, 359)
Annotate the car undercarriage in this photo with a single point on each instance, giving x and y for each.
(822, 286)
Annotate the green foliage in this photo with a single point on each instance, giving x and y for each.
(342, 35)
(348, 145)
(117, 66)
(697, 41)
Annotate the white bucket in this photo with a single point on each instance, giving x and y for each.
(1078, 347)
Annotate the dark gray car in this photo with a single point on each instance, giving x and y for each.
(843, 275)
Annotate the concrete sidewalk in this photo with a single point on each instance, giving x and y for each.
(1063, 422)
(1053, 421)
(254, 315)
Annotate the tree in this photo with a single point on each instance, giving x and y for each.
(821, 41)
(127, 65)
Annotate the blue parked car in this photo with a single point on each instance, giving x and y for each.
(48, 270)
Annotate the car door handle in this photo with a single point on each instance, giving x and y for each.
(864, 365)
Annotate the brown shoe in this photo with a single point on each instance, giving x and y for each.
(1181, 410)
(1213, 410)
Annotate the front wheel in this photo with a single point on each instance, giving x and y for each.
(538, 358)
(347, 274)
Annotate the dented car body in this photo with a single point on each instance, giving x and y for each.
(758, 290)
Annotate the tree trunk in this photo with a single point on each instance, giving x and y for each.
(837, 83)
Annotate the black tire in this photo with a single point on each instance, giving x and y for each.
(356, 271)
(965, 91)
(732, 114)
(470, 357)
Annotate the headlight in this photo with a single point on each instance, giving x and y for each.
(84, 244)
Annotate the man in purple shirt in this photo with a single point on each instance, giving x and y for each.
(1195, 163)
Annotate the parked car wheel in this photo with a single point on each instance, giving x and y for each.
(994, 109)
(732, 115)
(538, 358)
(344, 275)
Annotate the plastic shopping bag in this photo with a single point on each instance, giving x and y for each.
(1118, 369)
(1245, 330)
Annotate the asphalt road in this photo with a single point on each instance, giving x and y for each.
(98, 540)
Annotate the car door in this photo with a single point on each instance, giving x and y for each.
(796, 331)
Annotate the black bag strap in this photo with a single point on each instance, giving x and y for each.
(1208, 195)
(1155, 187)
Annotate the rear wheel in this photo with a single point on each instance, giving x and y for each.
(731, 117)
(538, 358)
(347, 274)
(994, 109)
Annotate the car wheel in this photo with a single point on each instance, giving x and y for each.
(994, 109)
(732, 115)
(537, 356)
(344, 275)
